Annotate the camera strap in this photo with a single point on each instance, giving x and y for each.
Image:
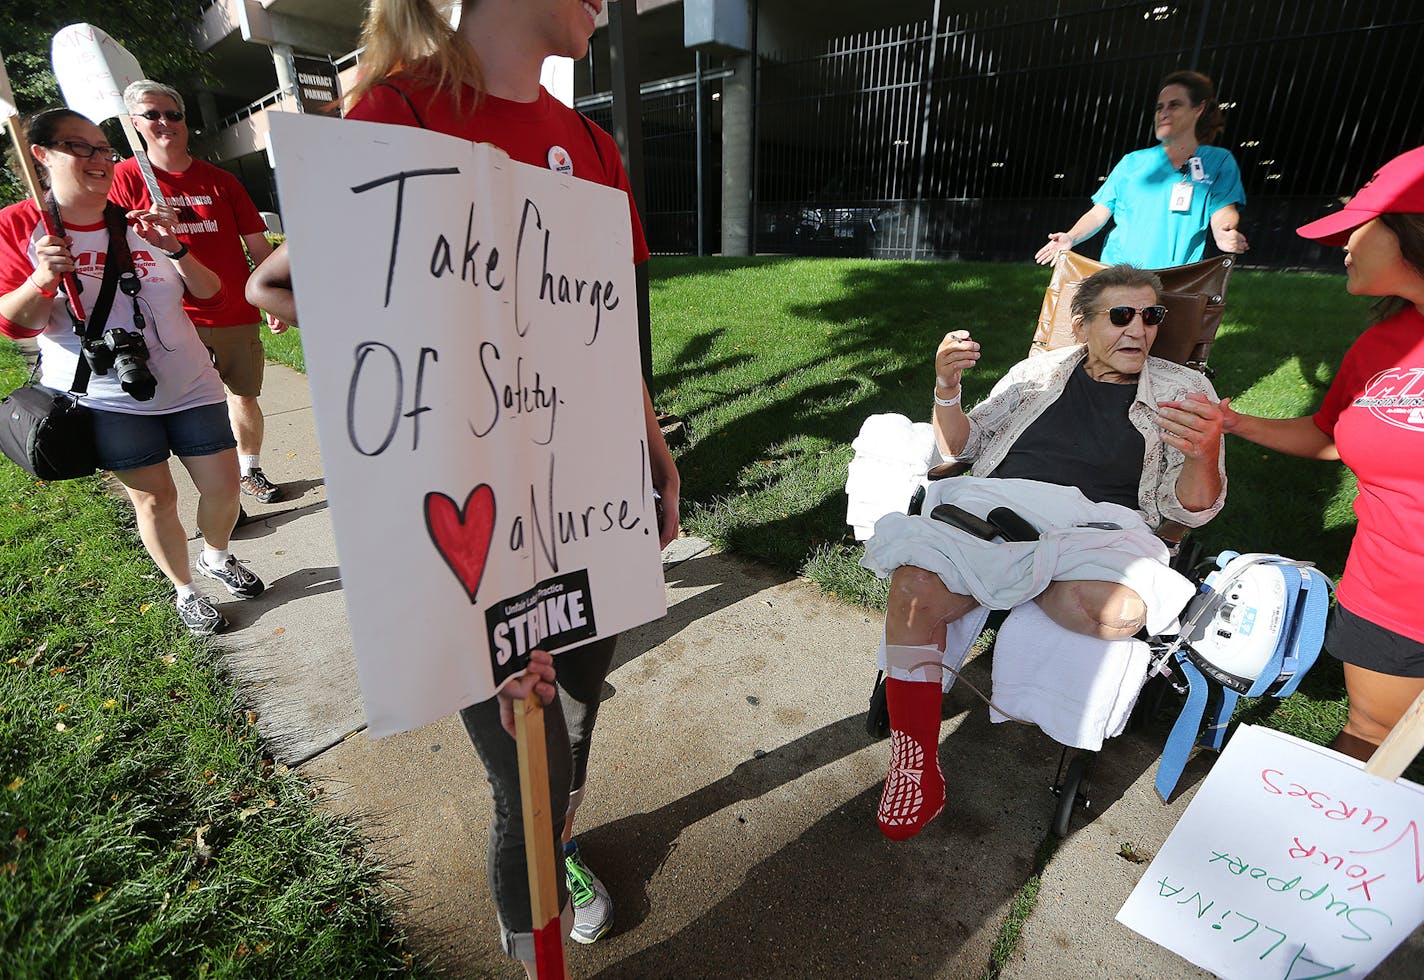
(117, 260)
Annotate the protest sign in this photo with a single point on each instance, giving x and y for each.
(1290, 863)
(93, 70)
(470, 332)
(7, 95)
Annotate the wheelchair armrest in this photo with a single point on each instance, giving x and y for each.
(1172, 533)
(941, 472)
(945, 470)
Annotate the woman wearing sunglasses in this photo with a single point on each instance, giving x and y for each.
(136, 427)
(1094, 424)
(1165, 198)
(1373, 419)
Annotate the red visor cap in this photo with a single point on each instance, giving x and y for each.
(1397, 187)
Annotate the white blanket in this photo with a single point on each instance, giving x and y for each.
(1076, 688)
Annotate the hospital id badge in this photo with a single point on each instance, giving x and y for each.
(1181, 197)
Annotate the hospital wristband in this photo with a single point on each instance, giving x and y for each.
(949, 402)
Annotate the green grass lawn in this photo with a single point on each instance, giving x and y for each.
(143, 832)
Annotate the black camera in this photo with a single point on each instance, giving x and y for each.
(125, 352)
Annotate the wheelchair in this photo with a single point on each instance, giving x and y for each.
(1195, 297)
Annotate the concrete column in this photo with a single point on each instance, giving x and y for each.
(208, 110)
(738, 107)
(286, 76)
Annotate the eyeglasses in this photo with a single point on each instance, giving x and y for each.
(1121, 316)
(84, 150)
(153, 115)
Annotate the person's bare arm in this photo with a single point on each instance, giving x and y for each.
(1294, 437)
(28, 305)
(1225, 224)
(261, 249)
(270, 288)
(666, 479)
(956, 354)
(1193, 427)
(154, 225)
(1084, 228)
(257, 246)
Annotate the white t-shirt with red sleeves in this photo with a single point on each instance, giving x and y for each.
(176, 356)
(1375, 412)
(214, 212)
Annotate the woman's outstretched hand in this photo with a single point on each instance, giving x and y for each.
(1058, 243)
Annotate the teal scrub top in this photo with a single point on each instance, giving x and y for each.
(1147, 233)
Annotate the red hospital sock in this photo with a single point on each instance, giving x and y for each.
(914, 790)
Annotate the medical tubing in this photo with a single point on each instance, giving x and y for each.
(968, 683)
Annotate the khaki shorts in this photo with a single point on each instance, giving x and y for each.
(237, 354)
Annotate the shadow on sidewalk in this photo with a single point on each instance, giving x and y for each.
(838, 899)
(260, 524)
(720, 581)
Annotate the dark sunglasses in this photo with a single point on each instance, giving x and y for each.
(1121, 316)
(84, 150)
(153, 115)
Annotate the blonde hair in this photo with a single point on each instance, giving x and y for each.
(415, 35)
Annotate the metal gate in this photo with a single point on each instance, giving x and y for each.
(977, 132)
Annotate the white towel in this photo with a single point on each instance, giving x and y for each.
(1077, 688)
(892, 455)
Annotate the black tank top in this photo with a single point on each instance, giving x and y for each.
(1083, 440)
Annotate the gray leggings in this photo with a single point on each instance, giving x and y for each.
(568, 731)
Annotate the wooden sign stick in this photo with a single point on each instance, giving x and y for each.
(1404, 742)
(538, 844)
(20, 141)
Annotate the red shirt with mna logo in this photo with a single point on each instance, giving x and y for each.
(1375, 412)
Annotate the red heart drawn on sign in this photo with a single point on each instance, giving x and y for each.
(462, 535)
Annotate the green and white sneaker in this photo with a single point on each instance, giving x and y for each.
(593, 909)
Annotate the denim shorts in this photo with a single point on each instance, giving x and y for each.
(131, 442)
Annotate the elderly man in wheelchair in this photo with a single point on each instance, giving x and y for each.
(1078, 456)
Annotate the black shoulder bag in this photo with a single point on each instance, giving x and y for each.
(47, 433)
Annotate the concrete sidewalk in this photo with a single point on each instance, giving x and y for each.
(733, 788)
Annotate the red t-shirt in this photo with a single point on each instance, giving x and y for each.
(545, 133)
(1375, 412)
(214, 211)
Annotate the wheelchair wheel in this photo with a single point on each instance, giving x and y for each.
(877, 718)
(1074, 783)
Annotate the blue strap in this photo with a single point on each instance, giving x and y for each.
(1310, 631)
(1184, 733)
(1215, 735)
